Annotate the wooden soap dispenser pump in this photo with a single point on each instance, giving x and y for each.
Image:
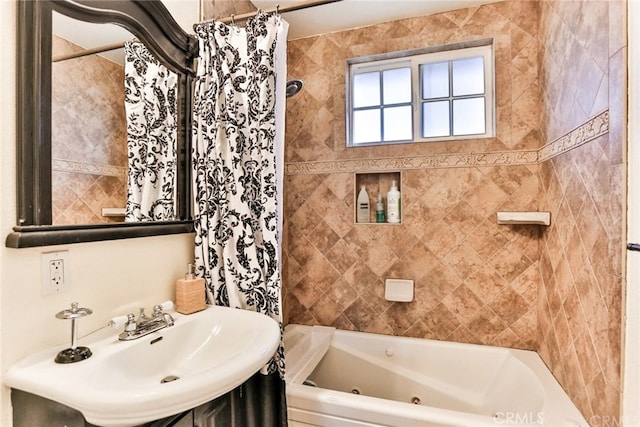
(190, 293)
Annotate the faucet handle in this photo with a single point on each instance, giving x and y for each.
(157, 310)
(131, 324)
(167, 305)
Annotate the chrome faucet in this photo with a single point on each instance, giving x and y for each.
(144, 325)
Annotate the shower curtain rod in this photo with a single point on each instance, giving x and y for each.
(113, 46)
(279, 9)
(99, 49)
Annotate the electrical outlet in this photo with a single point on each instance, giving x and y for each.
(55, 276)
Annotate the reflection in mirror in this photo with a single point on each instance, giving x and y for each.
(88, 131)
(152, 131)
(151, 23)
(110, 161)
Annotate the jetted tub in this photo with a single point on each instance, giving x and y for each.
(342, 378)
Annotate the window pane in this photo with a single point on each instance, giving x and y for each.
(396, 86)
(435, 119)
(468, 76)
(435, 80)
(468, 116)
(366, 126)
(397, 123)
(366, 89)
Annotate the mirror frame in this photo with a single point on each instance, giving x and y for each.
(152, 24)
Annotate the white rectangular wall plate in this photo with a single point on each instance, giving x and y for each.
(400, 290)
(55, 272)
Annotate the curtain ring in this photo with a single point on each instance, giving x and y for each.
(277, 9)
(233, 20)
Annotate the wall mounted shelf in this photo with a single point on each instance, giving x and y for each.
(520, 218)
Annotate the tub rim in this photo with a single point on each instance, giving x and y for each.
(557, 407)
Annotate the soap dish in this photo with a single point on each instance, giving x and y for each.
(400, 290)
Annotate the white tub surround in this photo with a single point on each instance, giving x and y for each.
(344, 378)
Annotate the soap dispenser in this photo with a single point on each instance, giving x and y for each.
(190, 293)
(363, 209)
(393, 204)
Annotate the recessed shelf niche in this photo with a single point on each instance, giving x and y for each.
(375, 182)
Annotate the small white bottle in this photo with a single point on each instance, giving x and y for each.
(393, 204)
(363, 208)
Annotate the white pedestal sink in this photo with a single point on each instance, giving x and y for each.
(124, 383)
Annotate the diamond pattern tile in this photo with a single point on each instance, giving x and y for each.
(581, 267)
(557, 290)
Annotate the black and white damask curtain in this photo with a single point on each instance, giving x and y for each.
(238, 133)
(150, 107)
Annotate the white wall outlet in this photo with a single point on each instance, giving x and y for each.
(55, 276)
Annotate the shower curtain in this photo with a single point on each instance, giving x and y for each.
(238, 143)
(150, 107)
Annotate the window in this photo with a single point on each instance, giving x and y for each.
(436, 94)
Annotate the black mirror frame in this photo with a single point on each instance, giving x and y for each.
(152, 23)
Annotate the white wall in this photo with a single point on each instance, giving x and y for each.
(111, 278)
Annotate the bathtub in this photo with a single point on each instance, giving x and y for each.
(343, 378)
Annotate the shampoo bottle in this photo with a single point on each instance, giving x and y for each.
(190, 295)
(393, 204)
(379, 209)
(362, 212)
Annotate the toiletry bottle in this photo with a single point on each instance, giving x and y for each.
(362, 212)
(393, 204)
(190, 293)
(379, 209)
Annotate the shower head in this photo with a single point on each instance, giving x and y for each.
(293, 87)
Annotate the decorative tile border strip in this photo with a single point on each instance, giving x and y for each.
(61, 165)
(463, 160)
(588, 131)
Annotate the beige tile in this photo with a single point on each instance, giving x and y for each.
(401, 316)
(554, 289)
(441, 321)
(462, 303)
(360, 314)
(342, 294)
(463, 260)
(420, 260)
(323, 237)
(341, 256)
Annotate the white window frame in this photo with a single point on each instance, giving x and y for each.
(414, 58)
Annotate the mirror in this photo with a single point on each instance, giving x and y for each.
(41, 152)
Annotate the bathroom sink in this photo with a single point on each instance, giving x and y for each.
(124, 383)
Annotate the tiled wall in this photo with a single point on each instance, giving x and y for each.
(560, 82)
(89, 141)
(212, 9)
(476, 281)
(583, 72)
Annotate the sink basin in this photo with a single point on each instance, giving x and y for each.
(124, 383)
